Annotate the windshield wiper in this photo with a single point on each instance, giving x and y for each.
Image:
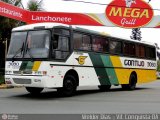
(29, 53)
(19, 50)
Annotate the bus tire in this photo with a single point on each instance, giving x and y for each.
(104, 87)
(69, 86)
(132, 83)
(34, 90)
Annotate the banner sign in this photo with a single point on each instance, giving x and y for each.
(129, 14)
(119, 13)
(13, 12)
(66, 18)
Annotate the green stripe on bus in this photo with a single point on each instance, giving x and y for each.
(99, 68)
(29, 65)
(103, 77)
(26, 65)
(106, 61)
(110, 71)
(112, 76)
(23, 65)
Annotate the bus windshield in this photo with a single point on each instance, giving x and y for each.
(37, 45)
(17, 41)
(33, 45)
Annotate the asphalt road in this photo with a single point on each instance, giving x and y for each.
(145, 99)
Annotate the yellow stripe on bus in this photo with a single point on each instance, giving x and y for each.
(116, 61)
(143, 75)
(122, 74)
(36, 65)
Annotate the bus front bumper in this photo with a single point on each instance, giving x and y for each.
(32, 81)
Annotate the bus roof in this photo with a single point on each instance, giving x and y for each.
(51, 25)
(40, 25)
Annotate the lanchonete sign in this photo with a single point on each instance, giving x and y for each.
(121, 13)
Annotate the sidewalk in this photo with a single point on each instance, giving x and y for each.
(2, 83)
(4, 86)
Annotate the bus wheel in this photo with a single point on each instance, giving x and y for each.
(34, 90)
(104, 87)
(132, 83)
(69, 86)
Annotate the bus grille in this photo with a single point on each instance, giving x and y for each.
(22, 72)
(17, 72)
(22, 81)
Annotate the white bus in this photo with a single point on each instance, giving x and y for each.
(52, 55)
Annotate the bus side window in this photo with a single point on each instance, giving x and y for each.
(55, 41)
(129, 49)
(60, 47)
(137, 51)
(142, 51)
(126, 48)
(132, 49)
(77, 41)
(86, 45)
(153, 53)
(100, 44)
(150, 53)
(81, 41)
(115, 47)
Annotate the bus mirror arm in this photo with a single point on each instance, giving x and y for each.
(29, 53)
(19, 50)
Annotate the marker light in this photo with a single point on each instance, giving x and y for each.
(44, 72)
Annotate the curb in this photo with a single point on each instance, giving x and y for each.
(4, 86)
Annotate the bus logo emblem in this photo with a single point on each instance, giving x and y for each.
(81, 59)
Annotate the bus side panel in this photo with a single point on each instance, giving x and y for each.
(57, 71)
(122, 74)
(87, 76)
(104, 68)
(144, 75)
(84, 68)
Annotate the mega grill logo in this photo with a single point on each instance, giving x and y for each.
(129, 13)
